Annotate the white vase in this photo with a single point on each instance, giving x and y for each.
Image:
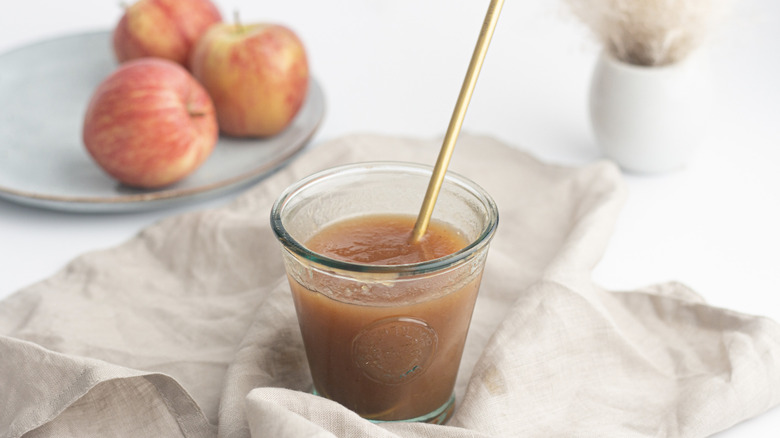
(649, 119)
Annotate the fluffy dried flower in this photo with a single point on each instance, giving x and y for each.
(650, 32)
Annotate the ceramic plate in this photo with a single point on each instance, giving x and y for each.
(44, 92)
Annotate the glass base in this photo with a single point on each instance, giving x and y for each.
(437, 416)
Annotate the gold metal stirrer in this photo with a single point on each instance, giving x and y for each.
(434, 186)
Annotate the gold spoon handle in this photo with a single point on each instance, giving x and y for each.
(434, 186)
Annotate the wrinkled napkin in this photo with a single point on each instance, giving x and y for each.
(188, 329)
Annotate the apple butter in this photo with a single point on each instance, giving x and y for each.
(386, 347)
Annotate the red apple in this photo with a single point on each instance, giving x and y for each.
(150, 123)
(257, 75)
(163, 28)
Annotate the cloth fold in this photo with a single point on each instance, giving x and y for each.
(188, 329)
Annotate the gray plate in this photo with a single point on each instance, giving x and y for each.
(44, 92)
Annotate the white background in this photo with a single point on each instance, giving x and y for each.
(396, 67)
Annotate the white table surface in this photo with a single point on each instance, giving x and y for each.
(396, 67)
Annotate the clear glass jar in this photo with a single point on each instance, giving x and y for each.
(384, 340)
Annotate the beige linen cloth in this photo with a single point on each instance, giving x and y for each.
(188, 329)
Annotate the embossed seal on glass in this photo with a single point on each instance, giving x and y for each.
(408, 345)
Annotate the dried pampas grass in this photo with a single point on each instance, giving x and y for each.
(650, 32)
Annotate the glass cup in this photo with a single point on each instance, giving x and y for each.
(384, 340)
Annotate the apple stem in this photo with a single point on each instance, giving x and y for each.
(195, 112)
(237, 19)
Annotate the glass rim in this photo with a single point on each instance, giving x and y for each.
(292, 245)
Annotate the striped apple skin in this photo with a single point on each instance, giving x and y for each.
(150, 124)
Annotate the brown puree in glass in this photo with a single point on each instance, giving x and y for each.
(388, 350)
